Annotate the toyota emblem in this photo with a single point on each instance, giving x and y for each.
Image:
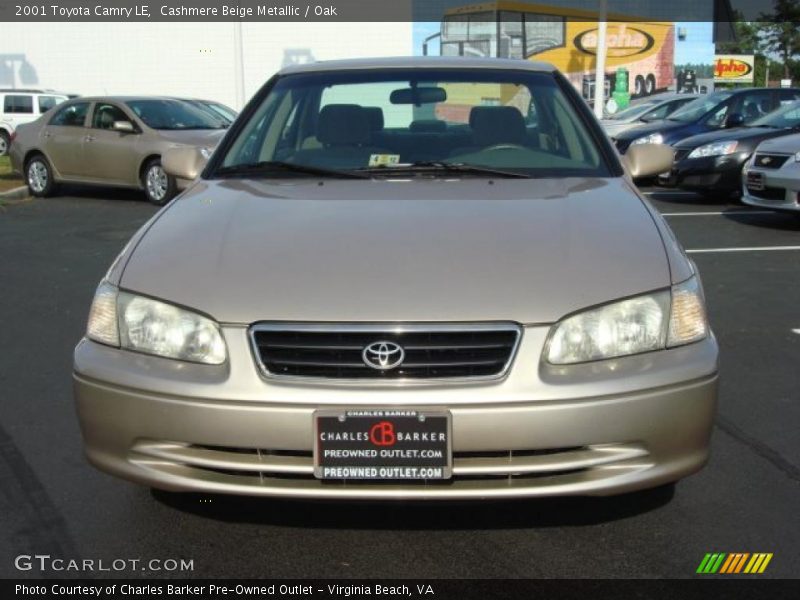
(383, 355)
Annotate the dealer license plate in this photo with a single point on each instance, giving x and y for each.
(382, 444)
(755, 180)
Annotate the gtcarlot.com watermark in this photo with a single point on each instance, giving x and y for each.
(45, 562)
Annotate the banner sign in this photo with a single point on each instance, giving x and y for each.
(734, 68)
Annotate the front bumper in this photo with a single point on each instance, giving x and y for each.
(595, 429)
(717, 173)
(781, 188)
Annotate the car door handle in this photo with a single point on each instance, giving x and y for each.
(46, 135)
(89, 138)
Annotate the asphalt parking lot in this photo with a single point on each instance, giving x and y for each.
(746, 500)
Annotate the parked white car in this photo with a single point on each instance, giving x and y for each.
(771, 178)
(23, 106)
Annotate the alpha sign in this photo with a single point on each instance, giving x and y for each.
(734, 68)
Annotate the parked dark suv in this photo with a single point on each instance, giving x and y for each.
(720, 110)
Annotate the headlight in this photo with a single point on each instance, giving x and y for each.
(137, 323)
(796, 156)
(641, 324)
(653, 138)
(715, 149)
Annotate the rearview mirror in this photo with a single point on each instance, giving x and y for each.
(734, 120)
(123, 126)
(418, 95)
(648, 160)
(184, 162)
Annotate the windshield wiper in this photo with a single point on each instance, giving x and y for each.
(448, 167)
(261, 168)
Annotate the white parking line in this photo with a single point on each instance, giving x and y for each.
(750, 249)
(721, 212)
(797, 331)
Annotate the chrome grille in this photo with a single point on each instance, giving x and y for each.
(432, 351)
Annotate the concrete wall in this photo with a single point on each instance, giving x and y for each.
(188, 59)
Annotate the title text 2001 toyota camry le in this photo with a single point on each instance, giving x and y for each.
(414, 278)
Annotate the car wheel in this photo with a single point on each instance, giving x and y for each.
(5, 140)
(638, 89)
(650, 84)
(159, 187)
(39, 177)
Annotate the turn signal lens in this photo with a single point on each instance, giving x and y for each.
(102, 325)
(688, 322)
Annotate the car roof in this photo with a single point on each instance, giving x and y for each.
(756, 89)
(420, 62)
(124, 98)
(674, 96)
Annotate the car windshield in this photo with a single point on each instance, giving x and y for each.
(227, 113)
(633, 112)
(173, 114)
(448, 123)
(787, 117)
(697, 108)
(209, 110)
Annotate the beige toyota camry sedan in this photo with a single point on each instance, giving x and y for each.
(403, 279)
(117, 141)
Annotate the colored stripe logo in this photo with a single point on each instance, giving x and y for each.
(734, 563)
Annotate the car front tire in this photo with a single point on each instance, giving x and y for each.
(39, 177)
(5, 141)
(159, 187)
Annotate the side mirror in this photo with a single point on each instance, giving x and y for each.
(648, 160)
(734, 120)
(123, 126)
(184, 162)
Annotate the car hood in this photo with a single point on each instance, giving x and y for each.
(193, 137)
(787, 144)
(465, 250)
(614, 128)
(648, 128)
(738, 133)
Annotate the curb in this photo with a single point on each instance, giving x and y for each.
(20, 193)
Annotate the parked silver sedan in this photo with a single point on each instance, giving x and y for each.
(425, 278)
(771, 178)
(115, 141)
(645, 111)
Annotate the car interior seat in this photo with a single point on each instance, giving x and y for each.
(344, 132)
(493, 126)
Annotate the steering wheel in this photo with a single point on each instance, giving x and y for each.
(496, 147)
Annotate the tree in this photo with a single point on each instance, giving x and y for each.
(748, 38)
(781, 32)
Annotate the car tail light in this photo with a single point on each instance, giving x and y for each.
(12, 137)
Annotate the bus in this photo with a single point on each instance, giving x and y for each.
(566, 38)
